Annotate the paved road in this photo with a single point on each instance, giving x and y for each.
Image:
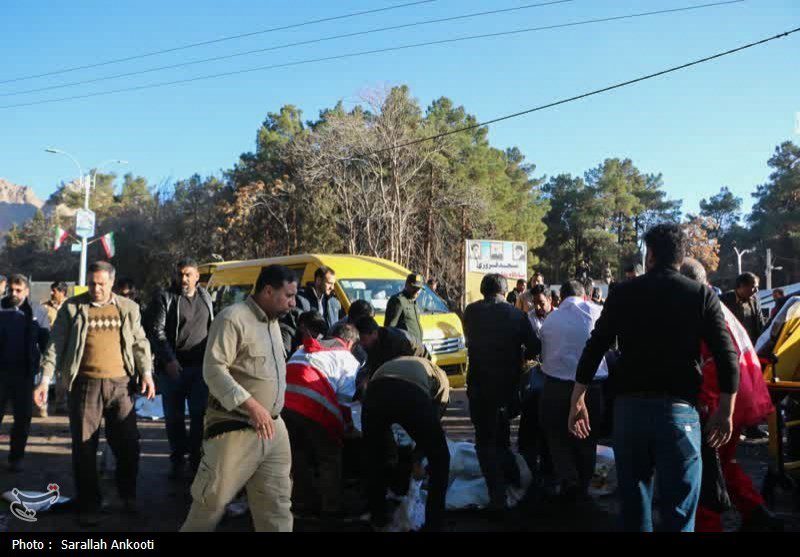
(164, 504)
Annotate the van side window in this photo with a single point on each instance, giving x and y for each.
(299, 269)
(216, 298)
(233, 294)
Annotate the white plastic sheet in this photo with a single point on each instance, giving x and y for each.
(467, 488)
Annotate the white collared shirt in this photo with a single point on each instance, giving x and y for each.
(564, 334)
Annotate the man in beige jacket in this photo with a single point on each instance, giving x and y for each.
(245, 441)
(98, 345)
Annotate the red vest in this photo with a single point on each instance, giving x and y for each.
(309, 393)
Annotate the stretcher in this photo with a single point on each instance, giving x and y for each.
(779, 350)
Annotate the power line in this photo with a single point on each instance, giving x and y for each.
(289, 45)
(367, 52)
(584, 95)
(221, 39)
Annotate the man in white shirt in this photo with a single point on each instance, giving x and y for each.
(564, 334)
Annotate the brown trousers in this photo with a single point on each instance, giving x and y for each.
(91, 400)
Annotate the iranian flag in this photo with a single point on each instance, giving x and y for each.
(108, 244)
(61, 235)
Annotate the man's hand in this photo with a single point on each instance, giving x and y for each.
(578, 422)
(260, 419)
(173, 369)
(720, 424)
(40, 393)
(148, 387)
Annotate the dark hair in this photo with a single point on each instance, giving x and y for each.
(19, 279)
(345, 331)
(431, 281)
(539, 289)
(493, 284)
(779, 291)
(322, 271)
(694, 270)
(313, 322)
(366, 325)
(572, 288)
(667, 242)
(61, 286)
(635, 268)
(186, 262)
(747, 278)
(358, 309)
(275, 276)
(125, 282)
(102, 267)
(520, 281)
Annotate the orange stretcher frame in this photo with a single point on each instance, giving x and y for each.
(780, 471)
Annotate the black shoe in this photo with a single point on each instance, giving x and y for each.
(762, 520)
(15, 466)
(754, 435)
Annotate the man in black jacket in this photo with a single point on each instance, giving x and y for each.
(383, 344)
(745, 305)
(659, 319)
(178, 327)
(499, 337)
(319, 295)
(24, 331)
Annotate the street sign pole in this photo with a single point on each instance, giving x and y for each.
(84, 228)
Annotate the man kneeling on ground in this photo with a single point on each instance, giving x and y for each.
(320, 376)
(413, 393)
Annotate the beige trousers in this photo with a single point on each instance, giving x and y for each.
(240, 459)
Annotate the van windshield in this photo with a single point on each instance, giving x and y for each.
(378, 291)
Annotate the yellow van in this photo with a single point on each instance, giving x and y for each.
(357, 278)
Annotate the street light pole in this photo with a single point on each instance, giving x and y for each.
(86, 185)
(739, 255)
(769, 268)
(84, 242)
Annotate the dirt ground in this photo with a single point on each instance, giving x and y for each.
(164, 503)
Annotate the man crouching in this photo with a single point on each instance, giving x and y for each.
(245, 442)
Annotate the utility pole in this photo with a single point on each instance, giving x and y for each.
(769, 268)
(739, 255)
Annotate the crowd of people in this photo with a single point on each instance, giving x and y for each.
(280, 384)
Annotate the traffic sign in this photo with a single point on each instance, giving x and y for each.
(84, 223)
(75, 248)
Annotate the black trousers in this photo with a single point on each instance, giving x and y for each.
(316, 465)
(174, 394)
(493, 445)
(394, 401)
(574, 459)
(91, 400)
(17, 387)
(531, 439)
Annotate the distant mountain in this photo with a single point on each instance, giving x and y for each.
(17, 205)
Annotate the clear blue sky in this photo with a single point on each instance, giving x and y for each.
(709, 126)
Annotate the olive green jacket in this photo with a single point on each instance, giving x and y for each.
(68, 337)
(402, 313)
